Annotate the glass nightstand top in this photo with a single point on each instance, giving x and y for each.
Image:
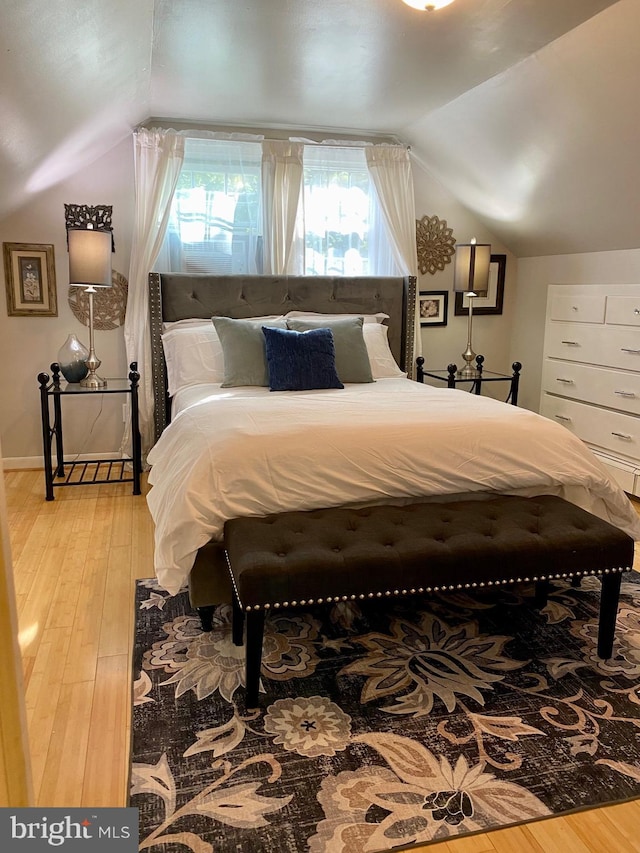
(113, 386)
(486, 374)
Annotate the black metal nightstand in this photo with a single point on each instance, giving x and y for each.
(95, 471)
(453, 378)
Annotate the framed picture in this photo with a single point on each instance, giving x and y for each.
(492, 302)
(432, 307)
(30, 279)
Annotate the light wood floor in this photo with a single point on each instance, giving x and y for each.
(75, 562)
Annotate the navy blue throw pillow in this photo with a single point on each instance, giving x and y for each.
(300, 361)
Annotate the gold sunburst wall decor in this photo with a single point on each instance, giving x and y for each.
(436, 244)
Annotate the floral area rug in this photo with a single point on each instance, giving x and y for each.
(383, 724)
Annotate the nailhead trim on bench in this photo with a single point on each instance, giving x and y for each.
(329, 599)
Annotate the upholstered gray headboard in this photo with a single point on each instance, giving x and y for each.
(178, 296)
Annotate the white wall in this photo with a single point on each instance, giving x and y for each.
(491, 337)
(534, 275)
(28, 345)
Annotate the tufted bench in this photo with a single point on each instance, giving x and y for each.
(294, 559)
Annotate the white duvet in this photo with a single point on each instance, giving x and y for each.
(248, 451)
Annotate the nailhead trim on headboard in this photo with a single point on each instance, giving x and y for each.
(159, 370)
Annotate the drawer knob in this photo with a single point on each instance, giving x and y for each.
(571, 343)
(575, 307)
(566, 381)
(636, 310)
(562, 418)
(622, 435)
(627, 349)
(624, 393)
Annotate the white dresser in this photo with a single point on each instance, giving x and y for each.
(591, 372)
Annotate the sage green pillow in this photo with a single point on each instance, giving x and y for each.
(352, 358)
(243, 350)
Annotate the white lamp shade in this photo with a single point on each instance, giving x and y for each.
(89, 258)
(471, 268)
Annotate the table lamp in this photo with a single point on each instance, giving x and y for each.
(90, 267)
(471, 276)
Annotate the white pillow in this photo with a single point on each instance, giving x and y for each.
(313, 315)
(383, 364)
(193, 322)
(193, 352)
(193, 355)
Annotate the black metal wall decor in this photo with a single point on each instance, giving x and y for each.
(435, 243)
(81, 215)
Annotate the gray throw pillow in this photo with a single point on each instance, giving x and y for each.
(243, 350)
(352, 358)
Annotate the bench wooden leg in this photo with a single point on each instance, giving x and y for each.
(542, 592)
(608, 612)
(206, 616)
(255, 633)
(237, 621)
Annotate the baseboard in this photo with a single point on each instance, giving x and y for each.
(26, 463)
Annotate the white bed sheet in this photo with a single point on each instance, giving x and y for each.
(232, 452)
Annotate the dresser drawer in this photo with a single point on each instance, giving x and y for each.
(600, 385)
(609, 346)
(623, 311)
(578, 309)
(612, 431)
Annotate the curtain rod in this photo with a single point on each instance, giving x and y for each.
(240, 136)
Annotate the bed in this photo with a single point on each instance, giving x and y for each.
(242, 450)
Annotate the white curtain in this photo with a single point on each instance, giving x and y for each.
(158, 156)
(282, 181)
(390, 172)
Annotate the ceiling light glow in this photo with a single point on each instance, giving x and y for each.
(427, 5)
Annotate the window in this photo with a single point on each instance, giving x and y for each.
(337, 211)
(344, 232)
(216, 216)
(215, 224)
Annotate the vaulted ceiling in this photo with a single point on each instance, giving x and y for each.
(527, 110)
